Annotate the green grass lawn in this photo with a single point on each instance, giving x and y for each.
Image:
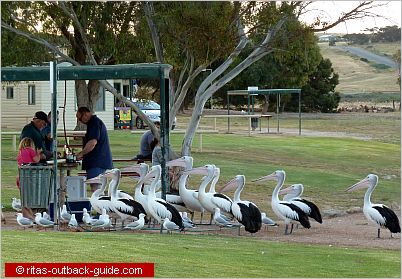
(192, 256)
(325, 165)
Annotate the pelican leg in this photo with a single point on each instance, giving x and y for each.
(291, 228)
(378, 233)
(192, 216)
(210, 221)
(202, 215)
(286, 229)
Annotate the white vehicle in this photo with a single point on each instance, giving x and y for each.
(150, 109)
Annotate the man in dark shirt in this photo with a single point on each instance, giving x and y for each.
(96, 155)
(33, 131)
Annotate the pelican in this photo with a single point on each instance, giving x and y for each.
(293, 193)
(23, 221)
(283, 209)
(137, 225)
(159, 208)
(210, 200)
(98, 198)
(379, 214)
(125, 207)
(142, 169)
(189, 197)
(246, 212)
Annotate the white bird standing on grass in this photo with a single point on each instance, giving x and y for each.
(169, 226)
(23, 221)
(283, 209)
(16, 204)
(219, 220)
(40, 221)
(73, 222)
(137, 225)
(103, 221)
(267, 221)
(379, 214)
(64, 215)
(86, 218)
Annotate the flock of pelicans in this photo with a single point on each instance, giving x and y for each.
(172, 212)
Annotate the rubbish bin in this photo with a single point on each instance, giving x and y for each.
(35, 183)
(254, 123)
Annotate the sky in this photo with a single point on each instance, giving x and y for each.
(331, 10)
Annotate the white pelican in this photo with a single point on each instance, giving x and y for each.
(23, 221)
(124, 206)
(189, 196)
(210, 200)
(379, 214)
(137, 225)
(246, 212)
(293, 193)
(283, 209)
(98, 198)
(159, 208)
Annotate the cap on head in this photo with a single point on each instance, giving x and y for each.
(41, 116)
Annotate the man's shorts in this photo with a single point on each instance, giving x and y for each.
(94, 172)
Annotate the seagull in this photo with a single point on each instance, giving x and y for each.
(103, 221)
(23, 221)
(137, 225)
(64, 215)
(39, 220)
(46, 216)
(221, 222)
(379, 214)
(169, 225)
(73, 222)
(88, 220)
(187, 223)
(16, 204)
(267, 221)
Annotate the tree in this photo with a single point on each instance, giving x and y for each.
(181, 29)
(319, 94)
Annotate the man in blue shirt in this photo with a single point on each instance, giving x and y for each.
(96, 155)
(33, 131)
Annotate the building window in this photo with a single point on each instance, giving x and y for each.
(31, 95)
(126, 91)
(10, 92)
(100, 103)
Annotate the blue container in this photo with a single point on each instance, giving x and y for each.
(75, 207)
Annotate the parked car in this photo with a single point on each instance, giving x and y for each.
(150, 109)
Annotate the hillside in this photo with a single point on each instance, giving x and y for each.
(356, 76)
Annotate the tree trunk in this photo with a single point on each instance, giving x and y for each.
(265, 106)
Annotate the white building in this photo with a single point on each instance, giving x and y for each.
(20, 101)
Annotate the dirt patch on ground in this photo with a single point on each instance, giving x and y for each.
(351, 230)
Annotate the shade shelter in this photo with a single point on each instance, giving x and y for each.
(254, 92)
(54, 73)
